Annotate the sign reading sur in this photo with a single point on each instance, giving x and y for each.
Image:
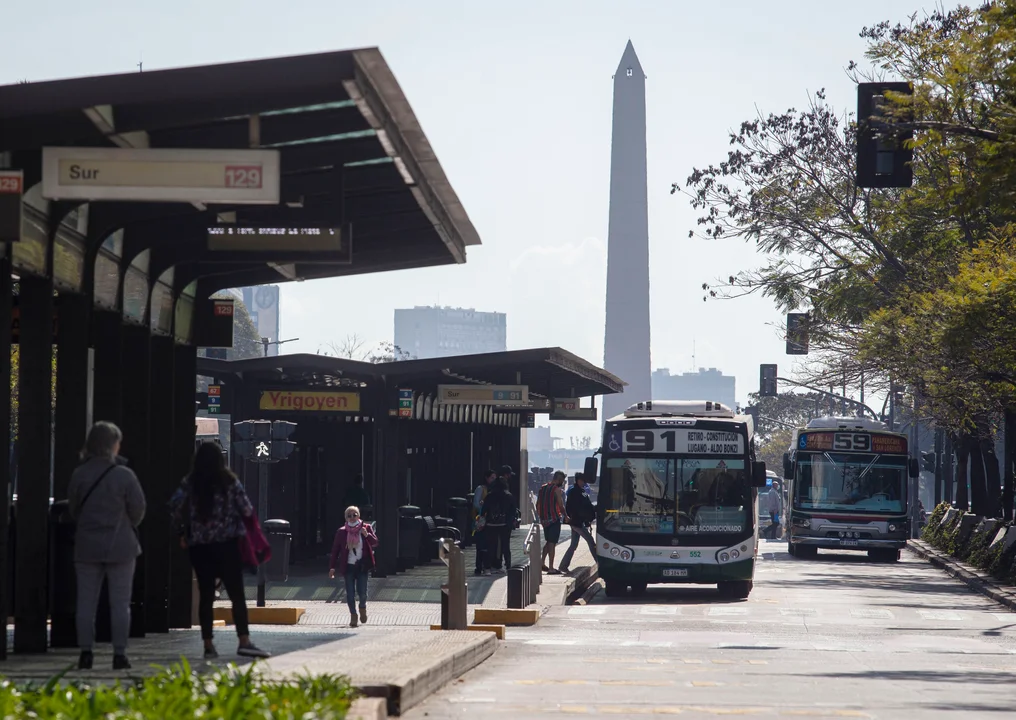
(309, 401)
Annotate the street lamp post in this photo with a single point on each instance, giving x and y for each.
(266, 342)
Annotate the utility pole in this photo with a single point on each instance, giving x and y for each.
(915, 483)
(940, 475)
(266, 342)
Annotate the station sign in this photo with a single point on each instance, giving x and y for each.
(309, 401)
(405, 403)
(12, 188)
(215, 330)
(528, 420)
(853, 442)
(214, 399)
(570, 409)
(499, 395)
(282, 239)
(160, 175)
(676, 440)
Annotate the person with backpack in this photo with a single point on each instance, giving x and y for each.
(499, 517)
(581, 513)
(551, 511)
(107, 504)
(479, 532)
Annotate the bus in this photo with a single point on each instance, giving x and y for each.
(847, 488)
(678, 497)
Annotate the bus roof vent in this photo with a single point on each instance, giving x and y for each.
(674, 408)
(846, 423)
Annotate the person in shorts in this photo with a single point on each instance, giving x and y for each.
(551, 511)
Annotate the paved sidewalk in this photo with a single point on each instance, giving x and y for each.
(978, 580)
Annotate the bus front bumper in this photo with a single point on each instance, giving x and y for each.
(611, 570)
(859, 544)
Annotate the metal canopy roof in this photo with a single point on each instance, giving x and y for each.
(351, 150)
(549, 372)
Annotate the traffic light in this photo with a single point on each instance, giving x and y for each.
(884, 155)
(754, 413)
(281, 446)
(767, 381)
(797, 333)
(929, 461)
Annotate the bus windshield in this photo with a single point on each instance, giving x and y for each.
(851, 481)
(657, 495)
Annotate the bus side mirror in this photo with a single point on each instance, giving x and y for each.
(915, 468)
(788, 467)
(590, 469)
(758, 474)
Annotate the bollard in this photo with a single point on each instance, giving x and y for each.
(517, 590)
(535, 562)
(454, 594)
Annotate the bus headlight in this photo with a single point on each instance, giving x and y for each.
(892, 528)
(735, 554)
(625, 555)
(615, 551)
(724, 557)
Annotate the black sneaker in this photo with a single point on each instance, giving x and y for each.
(211, 654)
(363, 613)
(120, 662)
(252, 651)
(85, 661)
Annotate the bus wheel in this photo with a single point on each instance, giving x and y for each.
(613, 589)
(807, 552)
(884, 555)
(791, 549)
(638, 589)
(739, 589)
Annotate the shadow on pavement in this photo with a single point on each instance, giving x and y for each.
(671, 595)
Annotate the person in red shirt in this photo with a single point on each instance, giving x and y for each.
(353, 557)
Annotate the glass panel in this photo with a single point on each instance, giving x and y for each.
(162, 308)
(68, 260)
(107, 280)
(713, 496)
(135, 295)
(640, 495)
(30, 254)
(113, 244)
(185, 315)
(856, 482)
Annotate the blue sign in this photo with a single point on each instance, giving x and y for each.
(406, 394)
(509, 395)
(614, 441)
(214, 399)
(803, 442)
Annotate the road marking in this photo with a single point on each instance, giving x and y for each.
(587, 610)
(551, 642)
(939, 615)
(705, 683)
(722, 610)
(574, 709)
(637, 683)
(1004, 617)
(643, 643)
(871, 614)
(799, 612)
(722, 662)
(692, 661)
(659, 610)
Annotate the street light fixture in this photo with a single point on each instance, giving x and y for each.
(266, 342)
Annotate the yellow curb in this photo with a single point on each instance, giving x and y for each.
(500, 616)
(498, 630)
(264, 615)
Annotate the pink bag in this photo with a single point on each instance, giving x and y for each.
(254, 547)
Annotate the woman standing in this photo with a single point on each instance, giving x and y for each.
(353, 555)
(209, 508)
(107, 504)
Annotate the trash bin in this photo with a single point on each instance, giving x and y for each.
(410, 535)
(460, 510)
(279, 537)
(62, 581)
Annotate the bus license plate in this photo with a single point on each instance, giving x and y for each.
(675, 572)
(848, 543)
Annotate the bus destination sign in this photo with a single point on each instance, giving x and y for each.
(676, 440)
(853, 441)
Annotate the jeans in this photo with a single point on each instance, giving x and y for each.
(774, 528)
(120, 577)
(356, 584)
(480, 540)
(578, 532)
(500, 546)
(219, 560)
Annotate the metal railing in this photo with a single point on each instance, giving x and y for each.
(525, 577)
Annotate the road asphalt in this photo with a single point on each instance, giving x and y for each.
(835, 637)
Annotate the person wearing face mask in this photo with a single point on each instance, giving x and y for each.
(353, 557)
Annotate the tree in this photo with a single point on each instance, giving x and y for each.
(352, 347)
(583, 442)
(875, 268)
(387, 352)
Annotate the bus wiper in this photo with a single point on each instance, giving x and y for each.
(828, 457)
(869, 466)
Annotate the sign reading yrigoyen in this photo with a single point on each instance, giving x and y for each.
(309, 401)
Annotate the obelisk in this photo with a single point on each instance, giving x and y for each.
(626, 339)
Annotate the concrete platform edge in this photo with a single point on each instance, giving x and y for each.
(367, 708)
(961, 571)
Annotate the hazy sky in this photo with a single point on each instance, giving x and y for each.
(516, 101)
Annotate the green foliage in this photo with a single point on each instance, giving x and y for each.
(981, 555)
(180, 692)
(931, 528)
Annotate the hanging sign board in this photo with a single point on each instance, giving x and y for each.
(205, 176)
(285, 239)
(569, 409)
(500, 395)
(12, 187)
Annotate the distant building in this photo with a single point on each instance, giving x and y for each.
(263, 305)
(430, 332)
(539, 439)
(705, 384)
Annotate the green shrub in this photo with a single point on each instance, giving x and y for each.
(977, 548)
(933, 531)
(180, 692)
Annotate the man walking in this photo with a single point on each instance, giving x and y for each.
(479, 531)
(775, 498)
(581, 513)
(551, 510)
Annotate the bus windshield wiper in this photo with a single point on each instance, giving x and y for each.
(868, 467)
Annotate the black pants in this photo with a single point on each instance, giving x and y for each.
(219, 560)
(499, 546)
(480, 540)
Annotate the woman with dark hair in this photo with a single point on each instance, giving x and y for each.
(107, 504)
(209, 510)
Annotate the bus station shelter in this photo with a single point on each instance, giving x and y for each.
(126, 202)
(387, 422)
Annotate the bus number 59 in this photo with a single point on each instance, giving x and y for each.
(846, 441)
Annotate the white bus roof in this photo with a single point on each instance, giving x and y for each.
(672, 408)
(846, 423)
